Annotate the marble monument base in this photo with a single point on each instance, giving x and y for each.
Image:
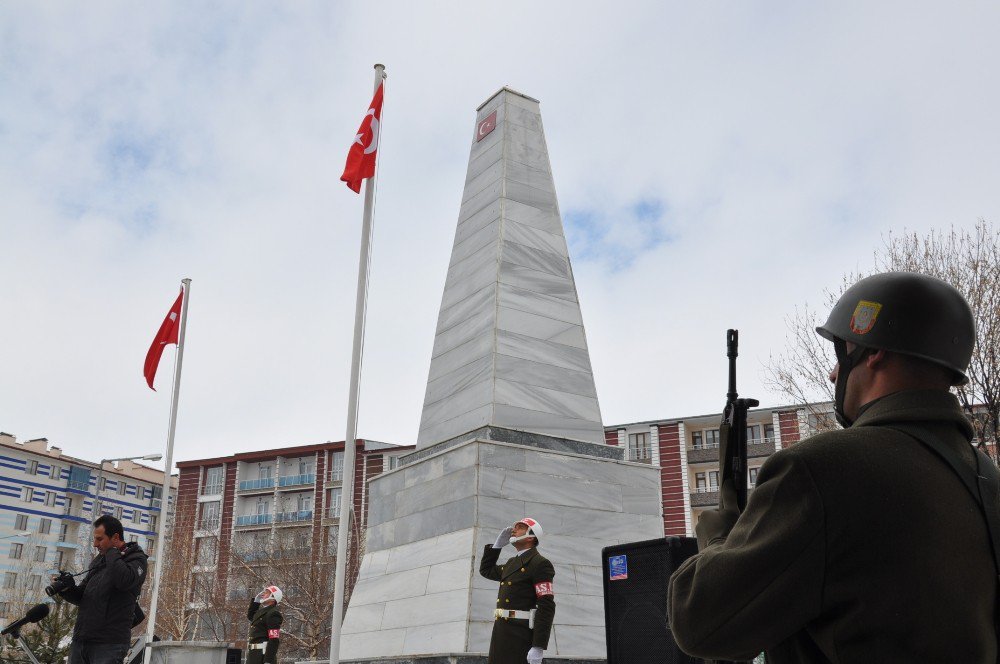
(419, 592)
(446, 659)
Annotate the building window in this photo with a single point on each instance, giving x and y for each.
(21, 522)
(35, 583)
(28, 494)
(152, 522)
(59, 559)
(306, 465)
(335, 495)
(55, 473)
(210, 515)
(392, 462)
(711, 439)
(753, 477)
(63, 530)
(45, 526)
(265, 471)
(9, 580)
(16, 551)
(753, 434)
(713, 480)
(152, 545)
(133, 538)
(337, 467)
(207, 551)
(50, 499)
(700, 482)
(769, 433)
(32, 467)
(104, 484)
(638, 446)
(213, 481)
(69, 505)
(122, 488)
(40, 554)
(136, 516)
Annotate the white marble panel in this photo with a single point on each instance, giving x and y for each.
(471, 223)
(477, 301)
(373, 564)
(438, 465)
(439, 520)
(514, 99)
(482, 260)
(452, 575)
(532, 237)
(381, 536)
(440, 638)
(410, 583)
(529, 155)
(538, 282)
(611, 524)
(554, 425)
(546, 400)
(388, 644)
(471, 350)
(457, 407)
(431, 552)
(446, 489)
(577, 641)
(495, 514)
(589, 580)
(367, 618)
(480, 324)
(506, 457)
(532, 177)
(487, 236)
(385, 484)
(431, 433)
(541, 305)
(640, 500)
(546, 220)
(484, 160)
(578, 609)
(518, 136)
(520, 116)
(470, 374)
(536, 259)
(531, 373)
(480, 633)
(536, 198)
(486, 179)
(446, 607)
(563, 491)
(541, 327)
(491, 481)
(455, 292)
(545, 352)
(482, 200)
(381, 510)
(640, 476)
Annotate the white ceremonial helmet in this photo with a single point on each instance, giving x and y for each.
(534, 530)
(276, 594)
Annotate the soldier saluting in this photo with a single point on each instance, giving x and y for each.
(526, 602)
(265, 627)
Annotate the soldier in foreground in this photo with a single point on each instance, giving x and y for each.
(869, 544)
(265, 627)
(526, 602)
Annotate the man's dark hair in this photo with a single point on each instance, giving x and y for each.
(112, 526)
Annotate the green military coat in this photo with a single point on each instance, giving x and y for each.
(525, 584)
(858, 545)
(265, 627)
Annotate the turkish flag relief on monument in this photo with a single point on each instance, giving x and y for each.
(361, 157)
(167, 334)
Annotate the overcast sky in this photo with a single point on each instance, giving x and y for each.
(716, 165)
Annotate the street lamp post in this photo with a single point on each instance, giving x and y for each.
(96, 511)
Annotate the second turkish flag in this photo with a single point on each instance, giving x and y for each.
(361, 157)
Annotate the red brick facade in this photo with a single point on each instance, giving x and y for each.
(672, 480)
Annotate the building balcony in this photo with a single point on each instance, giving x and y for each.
(641, 455)
(705, 497)
(78, 486)
(262, 484)
(335, 476)
(209, 524)
(332, 512)
(254, 520)
(758, 447)
(296, 480)
(295, 517)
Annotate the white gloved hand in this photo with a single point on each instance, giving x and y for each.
(503, 539)
(259, 596)
(535, 655)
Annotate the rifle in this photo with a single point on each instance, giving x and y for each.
(733, 430)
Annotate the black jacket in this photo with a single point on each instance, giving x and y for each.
(107, 596)
(265, 626)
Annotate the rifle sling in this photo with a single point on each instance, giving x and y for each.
(983, 483)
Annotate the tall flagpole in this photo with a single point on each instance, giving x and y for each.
(347, 494)
(168, 466)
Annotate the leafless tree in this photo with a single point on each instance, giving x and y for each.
(969, 260)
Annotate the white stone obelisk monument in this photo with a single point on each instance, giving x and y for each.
(511, 427)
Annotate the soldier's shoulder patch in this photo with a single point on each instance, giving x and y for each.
(274, 633)
(864, 316)
(543, 588)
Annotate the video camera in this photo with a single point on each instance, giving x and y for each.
(63, 582)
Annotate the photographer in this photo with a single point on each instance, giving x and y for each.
(107, 596)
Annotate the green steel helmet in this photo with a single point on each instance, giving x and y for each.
(907, 313)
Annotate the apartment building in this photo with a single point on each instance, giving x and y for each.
(687, 451)
(48, 501)
(255, 507)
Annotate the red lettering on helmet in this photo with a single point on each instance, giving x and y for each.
(544, 588)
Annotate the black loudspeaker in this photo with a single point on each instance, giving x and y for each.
(234, 656)
(635, 600)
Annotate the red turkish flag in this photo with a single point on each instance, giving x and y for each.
(167, 334)
(361, 157)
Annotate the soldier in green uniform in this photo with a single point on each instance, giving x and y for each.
(526, 602)
(265, 627)
(863, 544)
